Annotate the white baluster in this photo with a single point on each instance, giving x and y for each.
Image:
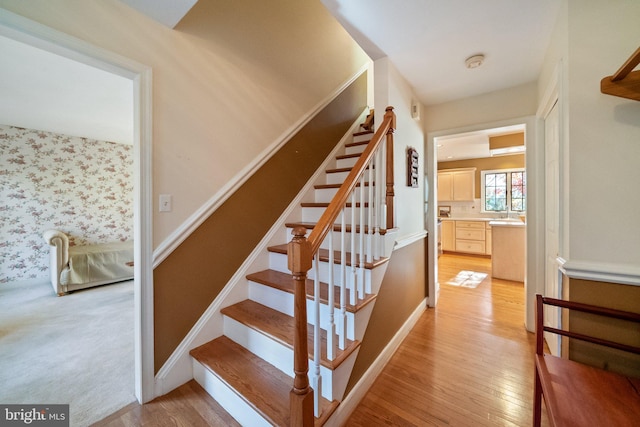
(343, 281)
(317, 378)
(360, 283)
(352, 295)
(378, 206)
(370, 216)
(331, 328)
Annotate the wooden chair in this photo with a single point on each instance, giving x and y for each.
(576, 394)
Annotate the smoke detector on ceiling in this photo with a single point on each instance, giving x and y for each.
(474, 61)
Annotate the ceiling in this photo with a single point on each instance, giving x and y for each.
(427, 41)
(45, 91)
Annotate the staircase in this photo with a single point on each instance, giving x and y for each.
(250, 369)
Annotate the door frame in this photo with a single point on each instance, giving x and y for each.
(535, 189)
(35, 34)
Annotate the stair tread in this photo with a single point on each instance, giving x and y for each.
(355, 144)
(348, 156)
(324, 256)
(281, 328)
(364, 132)
(284, 282)
(259, 383)
(336, 227)
(324, 205)
(340, 170)
(322, 186)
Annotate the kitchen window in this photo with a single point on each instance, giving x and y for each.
(504, 190)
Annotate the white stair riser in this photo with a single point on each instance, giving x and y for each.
(313, 214)
(281, 357)
(284, 303)
(336, 177)
(336, 239)
(236, 406)
(348, 162)
(363, 137)
(278, 262)
(325, 195)
(355, 149)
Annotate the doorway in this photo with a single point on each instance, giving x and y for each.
(31, 33)
(473, 209)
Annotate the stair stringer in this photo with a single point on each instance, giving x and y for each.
(178, 369)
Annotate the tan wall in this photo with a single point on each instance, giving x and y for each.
(610, 295)
(403, 288)
(191, 277)
(489, 163)
(503, 141)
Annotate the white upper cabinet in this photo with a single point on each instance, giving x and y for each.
(456, 184)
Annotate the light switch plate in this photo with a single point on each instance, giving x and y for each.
(165, 203)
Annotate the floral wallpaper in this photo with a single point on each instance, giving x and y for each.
(80, 186)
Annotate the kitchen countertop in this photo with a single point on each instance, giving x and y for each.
(478, 219)
(507, 223)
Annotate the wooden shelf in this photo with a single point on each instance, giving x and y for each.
(625, 82)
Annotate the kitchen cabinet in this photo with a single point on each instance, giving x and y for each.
(448, 236)
(487, 240)
(471, 237)
(456, 184)
(508, 252)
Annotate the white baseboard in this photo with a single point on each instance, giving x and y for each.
(354, 397)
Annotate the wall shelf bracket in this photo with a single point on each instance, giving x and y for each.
(625, 82)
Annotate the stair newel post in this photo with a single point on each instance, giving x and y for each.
(299, 257)
(390, 193)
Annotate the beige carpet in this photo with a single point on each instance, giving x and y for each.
(76, 349)
(467, 279)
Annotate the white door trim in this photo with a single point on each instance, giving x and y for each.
(35, 34)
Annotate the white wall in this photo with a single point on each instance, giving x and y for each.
(228, 82)
(391, 89)
(604, 134)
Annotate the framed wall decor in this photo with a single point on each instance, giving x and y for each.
(412, 167)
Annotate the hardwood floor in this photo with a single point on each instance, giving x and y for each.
(469, 362)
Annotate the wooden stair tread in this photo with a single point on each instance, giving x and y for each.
(340, 170)
(364, 132)
(336, 227)
(324, 256)
(325, 205)
(325, 186)
(259, 383)
(284, 282)
(348, 156)
(281, 328)
(355, 144)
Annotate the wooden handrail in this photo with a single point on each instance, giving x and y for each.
(625, 82)
(325, 223)
(300, 253)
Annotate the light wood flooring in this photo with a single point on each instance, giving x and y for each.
(469, 362)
